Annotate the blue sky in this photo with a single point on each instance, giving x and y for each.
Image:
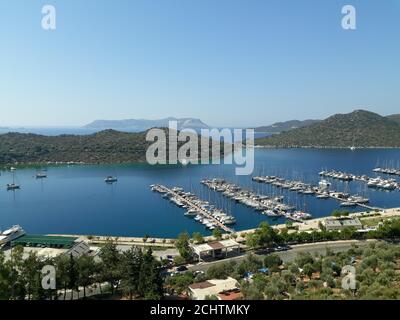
(228, 62)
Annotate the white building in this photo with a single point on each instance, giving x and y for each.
(199, 291)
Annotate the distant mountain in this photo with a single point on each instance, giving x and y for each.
(394, 117)
(143, 124)
(285, 126)
(359, 128)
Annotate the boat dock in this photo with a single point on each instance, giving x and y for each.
(321, 192)
(193, 203)
(272, 207)
(386, 170)
(377, 183)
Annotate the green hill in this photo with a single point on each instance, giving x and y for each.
(360, 129)
(107, 146)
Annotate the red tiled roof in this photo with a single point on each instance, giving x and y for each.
(231, 295)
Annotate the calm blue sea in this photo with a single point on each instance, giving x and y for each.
(75, 199)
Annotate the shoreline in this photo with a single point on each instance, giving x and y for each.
(305, 226)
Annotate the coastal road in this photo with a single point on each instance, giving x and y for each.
(290, 255)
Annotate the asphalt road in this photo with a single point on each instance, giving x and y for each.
(290, 255)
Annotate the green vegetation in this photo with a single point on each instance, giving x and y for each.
(359, 128)
(107, 146)
(311, 277)
(320, 277)
(217, 233)
(132, 273)
(197, 237)
(265, 236)
(340, 213)
(183, 246)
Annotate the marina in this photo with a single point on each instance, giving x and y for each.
(76, 200)
(201, 210)
(322, 191)
(272, 207)
(378, 182)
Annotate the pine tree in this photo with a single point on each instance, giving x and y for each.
(150, 281)
(132, 261)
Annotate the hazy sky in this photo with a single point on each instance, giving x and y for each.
(228, 62)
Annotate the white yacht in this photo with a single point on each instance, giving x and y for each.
(324, 183)
(348, 204)
(11, 234)
(41, 175)
(110, 179)
(191, 213)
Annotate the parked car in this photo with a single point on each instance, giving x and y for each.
(181, 268)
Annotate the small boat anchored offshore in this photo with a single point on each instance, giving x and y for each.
(41, 175)
(110, 179)
(13, 185)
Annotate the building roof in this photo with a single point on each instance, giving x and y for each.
(42, 240)
(212, 287)
(79, 248)
(201, 285)
(215, 245)
(351, 222)
(234, 294)
(343, 222)
(332, 222)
